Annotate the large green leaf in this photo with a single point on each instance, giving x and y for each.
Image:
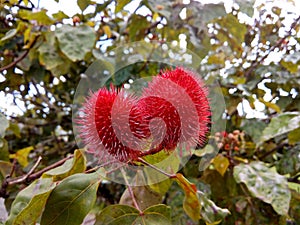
(41, 16)
(281, 124)
(144, 195)
(71, 200)
(265, 184)
(70, 167)
(204, 13)
(30, 202)
(123, 214)
(49, 55)
(254, 128)
(75, 42)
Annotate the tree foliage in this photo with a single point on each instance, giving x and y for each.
(252, 50)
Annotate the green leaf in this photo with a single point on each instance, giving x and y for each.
(246, 6)
(162, 7)
(4, 153)
(60, 15)
(71, 200)
(75, 42)
(5, 169)
(9, 34)
(281, 124)
(83, 4)
(30, 202)
(49, 53)
(254, 128)
(204, 13)
(232, 31)
(290, 161)
(208, 149)
(166, 162)
(271, 105)
(120, 5)
(144, 195)
(265, 184)
(22, 155)
(221, 164)
(123, 214)
(293, 136)
(15, 129)
(191, 204)
(290, 66)
(4, 124)
(211, 11)
(40, 16)
(70, 167)
(3, 211)
(107, 31)
(137, 27)
(211, 213)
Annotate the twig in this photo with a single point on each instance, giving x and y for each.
(39, 173)
(21, 57)
(13, 63)
(30, 175)
(294, 179)
(136, 205)
(278, 147)
(155, 168)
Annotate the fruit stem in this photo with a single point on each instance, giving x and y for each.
(156, 168)
(136, 205)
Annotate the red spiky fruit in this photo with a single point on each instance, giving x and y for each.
(178, 97)
(173, 111)
(111, 125)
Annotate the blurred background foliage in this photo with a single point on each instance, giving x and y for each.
(251, 48)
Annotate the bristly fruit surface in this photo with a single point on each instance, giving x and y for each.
(172, 111)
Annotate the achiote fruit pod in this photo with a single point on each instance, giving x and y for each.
(173, 111)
